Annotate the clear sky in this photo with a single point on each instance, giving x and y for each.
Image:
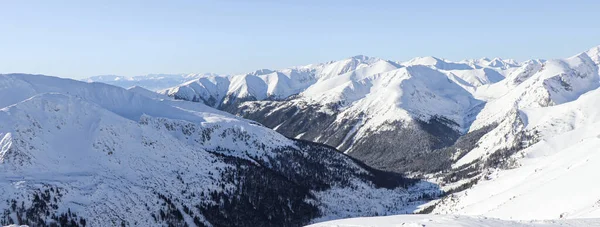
(130, 37)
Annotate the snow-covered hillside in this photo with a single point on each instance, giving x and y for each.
(275, 84)
(553, 178)
(76, 153)
(311, 81)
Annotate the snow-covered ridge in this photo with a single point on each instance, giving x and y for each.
(153, 82)
(316, 78)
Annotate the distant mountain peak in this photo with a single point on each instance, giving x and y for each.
(362, 57)
(261, 72)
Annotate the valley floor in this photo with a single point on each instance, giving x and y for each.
(428, 220)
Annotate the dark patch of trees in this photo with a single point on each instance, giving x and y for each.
(41, 212)
(293, 119)
(408, 147)
(502, 157)
(276, 191)
(169, 213)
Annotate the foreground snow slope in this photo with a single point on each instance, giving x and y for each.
(94, 154)
(448, 221)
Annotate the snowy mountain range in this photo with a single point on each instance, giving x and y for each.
(498, 138)
(74, 154)
(502, 138)
(359, 104)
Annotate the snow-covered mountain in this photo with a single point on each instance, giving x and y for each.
(76, 153)
(359, 104)
(152, 82)
(533, 146)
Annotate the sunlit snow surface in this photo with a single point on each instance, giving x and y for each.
(449, 221)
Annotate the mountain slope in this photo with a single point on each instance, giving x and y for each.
(270, 84)
(93, 154)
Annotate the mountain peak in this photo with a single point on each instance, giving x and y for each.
(427, 60)
(594, 54)
(261, 72)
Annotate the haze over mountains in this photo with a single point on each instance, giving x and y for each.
(150, 81)
(361, 136)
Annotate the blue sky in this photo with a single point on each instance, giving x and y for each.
(85, 38)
